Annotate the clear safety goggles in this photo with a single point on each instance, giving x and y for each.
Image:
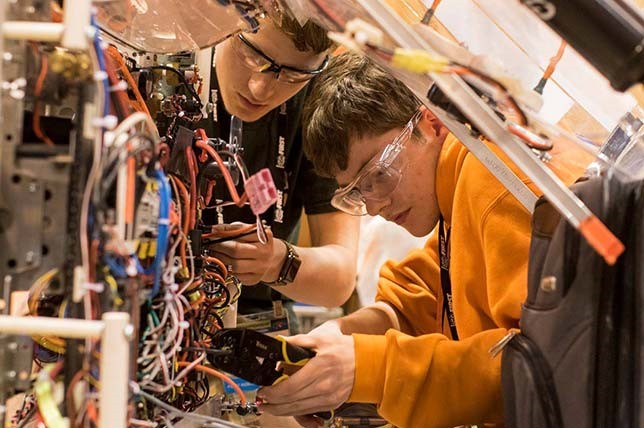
(378, 178)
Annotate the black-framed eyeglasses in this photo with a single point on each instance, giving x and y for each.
(256, 60)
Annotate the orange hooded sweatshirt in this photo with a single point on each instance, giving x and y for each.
(418, 376)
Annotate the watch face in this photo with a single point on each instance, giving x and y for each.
(294, 264)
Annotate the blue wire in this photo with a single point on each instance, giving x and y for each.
(101, 64)
(162, 237)
(117, 270)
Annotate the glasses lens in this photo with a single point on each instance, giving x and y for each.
(292, 76)
(379, 182)
(248, 56)
(350, 202)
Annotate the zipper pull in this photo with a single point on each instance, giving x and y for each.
(498, 346)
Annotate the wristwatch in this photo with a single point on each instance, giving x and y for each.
(290, 267)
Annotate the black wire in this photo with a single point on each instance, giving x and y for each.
(209, 351)
(28, 417)
(181, 76)
(228, 238)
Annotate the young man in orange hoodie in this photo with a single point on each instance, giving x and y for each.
(421, 352)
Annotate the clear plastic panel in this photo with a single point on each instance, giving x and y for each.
(170, 26)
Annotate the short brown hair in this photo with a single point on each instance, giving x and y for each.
(309, 37)
(352, 98)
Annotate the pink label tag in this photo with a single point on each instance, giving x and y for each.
(261, 191)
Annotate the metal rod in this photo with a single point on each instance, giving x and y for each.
(114, 367)
(36, 31)
(45, 326)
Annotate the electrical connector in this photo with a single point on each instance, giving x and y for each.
(419, 61)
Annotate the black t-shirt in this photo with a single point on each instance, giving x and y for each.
(298, 186)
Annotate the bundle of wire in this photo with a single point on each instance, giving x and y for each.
(153, 276)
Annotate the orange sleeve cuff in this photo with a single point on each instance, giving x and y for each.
(369, 380)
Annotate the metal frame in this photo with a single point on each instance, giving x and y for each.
(114, 332)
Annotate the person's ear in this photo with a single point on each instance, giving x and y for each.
(429, 124)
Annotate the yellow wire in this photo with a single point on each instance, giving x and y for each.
(43, 389)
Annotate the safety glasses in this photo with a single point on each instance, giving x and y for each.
(256, 60)
(378, 178)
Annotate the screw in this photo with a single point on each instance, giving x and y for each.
(11, 374)
(33, 187)
(13, 346)
(29, 257)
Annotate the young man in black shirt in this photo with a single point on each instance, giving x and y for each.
(262, 78)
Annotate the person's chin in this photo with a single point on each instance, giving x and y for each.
(248, 111)
(417, 227)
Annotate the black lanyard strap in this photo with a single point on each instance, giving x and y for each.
(446, 282)
(278, 159)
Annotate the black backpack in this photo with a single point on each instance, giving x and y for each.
(579, 357)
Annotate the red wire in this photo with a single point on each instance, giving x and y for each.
(203, 145)
(219, 375)
(44, 64)
(554, 61)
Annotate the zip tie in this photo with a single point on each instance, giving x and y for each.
(107, 122)
(98, 287)
(120, 86)
(91, 32)
(100, 75)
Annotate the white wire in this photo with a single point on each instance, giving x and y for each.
(93, 174)
(128, 124)
(217, 423)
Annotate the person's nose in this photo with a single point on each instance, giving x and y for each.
(262, 86)
(375, 207)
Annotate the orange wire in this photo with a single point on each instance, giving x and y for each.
(231, 232)
(203, 145)
(116, 56)
(219, 375)
(195, 284)
(216, 276)
(219, 263)
(209, 189)
(44, 64)
(554, 61)
(56, 12)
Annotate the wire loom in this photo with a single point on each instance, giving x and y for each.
(146, 259)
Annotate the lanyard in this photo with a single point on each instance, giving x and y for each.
(279, 158)
(446, 282)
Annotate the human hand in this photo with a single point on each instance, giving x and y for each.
(251, 261)
(329, 328)
(323, 384)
